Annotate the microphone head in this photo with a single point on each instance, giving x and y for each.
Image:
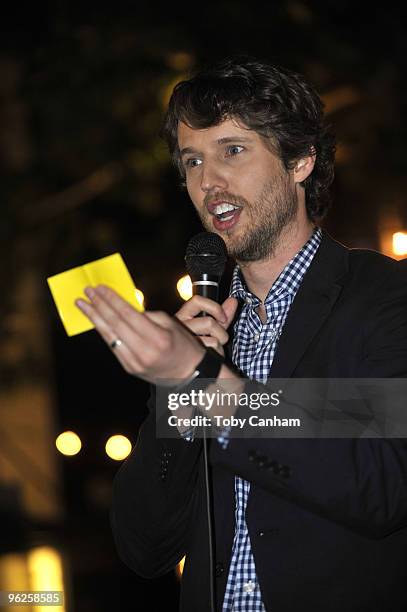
(206, 254)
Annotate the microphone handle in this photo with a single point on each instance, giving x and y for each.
(207, 286)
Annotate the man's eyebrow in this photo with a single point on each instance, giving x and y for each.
(187, 150)
(220, 141)
(233, 139)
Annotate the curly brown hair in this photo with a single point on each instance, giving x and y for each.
(274, 102)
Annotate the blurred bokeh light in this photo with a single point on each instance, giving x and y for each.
(118, 447)
(184, 287)
(45, 573)
(180, 568)
(400, 243)
(68, 443)
(38, 569)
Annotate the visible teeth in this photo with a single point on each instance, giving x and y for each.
(224, 208)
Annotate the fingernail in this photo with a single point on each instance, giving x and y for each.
(80, 303)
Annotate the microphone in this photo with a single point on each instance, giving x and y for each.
(205, 259)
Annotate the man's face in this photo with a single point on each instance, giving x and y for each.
(239, 188)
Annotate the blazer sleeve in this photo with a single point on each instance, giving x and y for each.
(360, 483)
(154, 493)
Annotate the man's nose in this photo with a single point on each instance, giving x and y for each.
(212, 178)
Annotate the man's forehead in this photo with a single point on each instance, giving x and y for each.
(228, 129)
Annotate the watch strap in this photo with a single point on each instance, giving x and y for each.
(208, 368)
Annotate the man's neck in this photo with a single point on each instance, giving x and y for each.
(260, 275)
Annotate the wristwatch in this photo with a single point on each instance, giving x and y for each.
(208, 368)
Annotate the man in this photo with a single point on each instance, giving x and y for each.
(314, 524)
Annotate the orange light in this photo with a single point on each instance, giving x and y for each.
(184, 287)
(180, 568)
(118, 447)
(46, 572)
(400, 243)
(68, 443)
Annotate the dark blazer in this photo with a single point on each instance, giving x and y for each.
(327, 517)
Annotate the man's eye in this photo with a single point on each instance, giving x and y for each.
(234, 150)
(192, 162)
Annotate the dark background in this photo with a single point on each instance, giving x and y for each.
(84, 174)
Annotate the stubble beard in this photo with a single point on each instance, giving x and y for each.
(273, 211)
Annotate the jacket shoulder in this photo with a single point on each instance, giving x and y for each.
(366, 264)
(373, 267)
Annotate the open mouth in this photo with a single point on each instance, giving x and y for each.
(225, 215)
(225, 211)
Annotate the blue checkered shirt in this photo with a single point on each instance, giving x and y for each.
(254, 346)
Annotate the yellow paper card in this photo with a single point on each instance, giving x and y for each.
(68, 286)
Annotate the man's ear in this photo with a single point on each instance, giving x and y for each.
(303, 168)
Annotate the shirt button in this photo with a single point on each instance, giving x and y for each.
(261, 461)
(256, 337)
(252, 455)
(248, 587)
(248, 300)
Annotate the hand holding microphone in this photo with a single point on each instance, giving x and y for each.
(205, 258)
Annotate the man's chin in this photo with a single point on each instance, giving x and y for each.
(245, 252)
(236, 250)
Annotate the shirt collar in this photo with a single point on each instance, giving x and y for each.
(289, 279)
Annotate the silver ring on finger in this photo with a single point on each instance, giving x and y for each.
(116, 343)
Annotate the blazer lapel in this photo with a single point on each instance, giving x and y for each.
(314, 301)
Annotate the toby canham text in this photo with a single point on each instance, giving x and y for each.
(226, 422)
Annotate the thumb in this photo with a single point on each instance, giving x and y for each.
(229, 306)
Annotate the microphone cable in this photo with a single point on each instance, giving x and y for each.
(205, 442)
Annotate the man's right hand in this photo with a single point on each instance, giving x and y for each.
(210, 329)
